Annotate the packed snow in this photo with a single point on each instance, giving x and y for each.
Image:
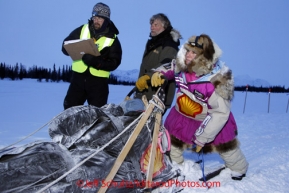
(262, 118)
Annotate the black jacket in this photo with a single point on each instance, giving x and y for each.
(159, 50)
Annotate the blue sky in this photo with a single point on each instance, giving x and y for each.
(253, 34)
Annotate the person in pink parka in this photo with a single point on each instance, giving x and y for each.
(202, 114)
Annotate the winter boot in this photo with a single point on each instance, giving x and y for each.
(237, 175)
(236, 161)
(176, 154)
(177, 149)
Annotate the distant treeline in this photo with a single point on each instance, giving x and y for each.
(18, 72)
(273, 89)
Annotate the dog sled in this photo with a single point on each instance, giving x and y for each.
(114, 149)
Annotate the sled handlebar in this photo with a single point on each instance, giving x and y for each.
(134, 89)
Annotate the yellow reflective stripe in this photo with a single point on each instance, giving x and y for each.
(104, 42)
(107, 42)
(99, 73)
(78, 66)
(100, 43)
(85, 32)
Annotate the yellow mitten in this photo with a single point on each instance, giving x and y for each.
(157, 80)
(141, 83)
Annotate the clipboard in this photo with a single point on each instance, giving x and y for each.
(76, 48)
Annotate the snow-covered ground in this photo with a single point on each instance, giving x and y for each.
(263, 124)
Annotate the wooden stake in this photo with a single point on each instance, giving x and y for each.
(269, 100)
(245, 99)
(287, 105)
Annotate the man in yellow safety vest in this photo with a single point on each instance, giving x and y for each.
(90, 75)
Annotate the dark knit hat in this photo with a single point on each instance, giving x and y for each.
(101, 10)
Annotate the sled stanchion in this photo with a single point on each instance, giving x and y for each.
(132, 138)
(153, 149)
(126, 148)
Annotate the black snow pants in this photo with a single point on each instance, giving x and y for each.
(84, 86)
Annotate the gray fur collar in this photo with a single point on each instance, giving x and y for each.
(175, 35)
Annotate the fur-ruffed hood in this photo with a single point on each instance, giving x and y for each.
(176, 35)
(206, 64)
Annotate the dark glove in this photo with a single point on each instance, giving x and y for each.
(92, 61)
(96, 61)
(105, 52)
